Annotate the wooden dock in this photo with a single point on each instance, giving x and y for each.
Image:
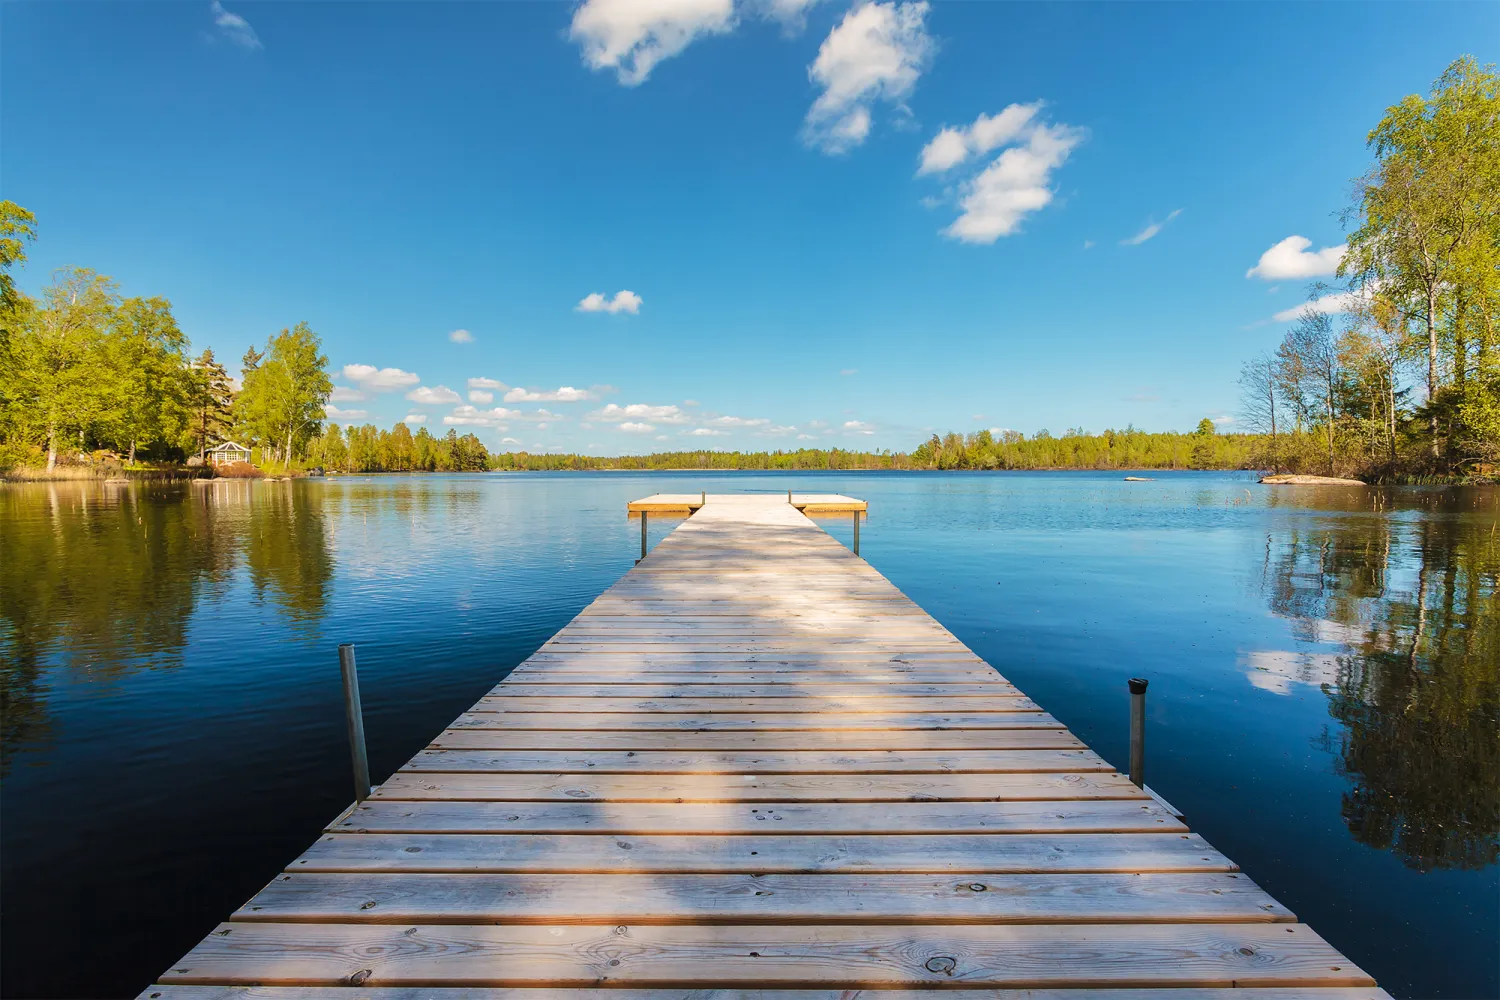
(753, 769)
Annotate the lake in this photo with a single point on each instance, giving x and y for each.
(1324, 667)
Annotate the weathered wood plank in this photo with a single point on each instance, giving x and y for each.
(489, 899)
(1072, 816)
(753, 721)
(830, 689)
(1019, 955)
(164, 992)
(583, 704)
(756, 787)
(762, 762)
(805, 739)
(1003, 853)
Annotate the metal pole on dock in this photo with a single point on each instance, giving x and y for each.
(788, 496)
(703, 498)
(355, 717)
(643, 536)
(1138, 731)
(856, 532)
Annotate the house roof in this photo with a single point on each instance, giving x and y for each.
(229, 446)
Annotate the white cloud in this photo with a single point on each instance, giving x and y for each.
(632, 36)
(737, 422)
(344, 394)
(951, 146)
(876, 53)
(414, 418)
(635, 427)
(510, 440)
(334, 413)
(372, 379)
(1334, 302)
(624, 301)
(487, 383)
(792, 14)
(566, 394)
(615, 413)
(848, 371)
(480, 396)
(1152, 228)
(461, 337)
(781, 430)
(1222, 421)
(469, 416)
(432, 395)
(806, 437)
(858, 427)
(1290, 259)
(1016, 184)
(703, 432)
(233, 27)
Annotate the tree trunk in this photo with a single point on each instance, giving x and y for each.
(131, 460)
(1432, 375)
(1329, 384)
(51, 446)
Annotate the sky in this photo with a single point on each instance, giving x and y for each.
(622, 226)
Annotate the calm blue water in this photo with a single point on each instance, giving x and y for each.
(1324, 666)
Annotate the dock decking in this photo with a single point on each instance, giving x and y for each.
(754, 768)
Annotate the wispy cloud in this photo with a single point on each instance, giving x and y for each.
(233, 28)
(953, 145)
(481, 396)
(1334, 302)
(614, 413)
(848, 371)
(858, 427)
(334, 413)
(875, 54)
(487, 383)
(623, 301)
(461, 337)
(1290, 259)
(372, 379)
(1152, 228)
(565, 394)
(414, 418)
(632, 36)
(344, 394)
(436, 395)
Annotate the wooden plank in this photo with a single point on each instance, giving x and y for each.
(844, 706)
(1004, 853)
(782, 818)
(805, 739)
(520, 689)
(756, 721)
(493, 786)
(674, 899)
(164, 992)
(766, 762)
(1020, 955)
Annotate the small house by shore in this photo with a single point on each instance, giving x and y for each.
(227, 453)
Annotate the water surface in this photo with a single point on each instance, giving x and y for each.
(1324, 667)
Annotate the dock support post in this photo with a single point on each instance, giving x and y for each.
(1138, 731)
(355, 717)
(703, 498)
(788, 496)
(643, 535)
(856, 532)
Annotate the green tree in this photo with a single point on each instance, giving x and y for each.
(17, 226)
(1429, 212)
(211, 398)
(152, 386)
(284, 391)
(53, 371)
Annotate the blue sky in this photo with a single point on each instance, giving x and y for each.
(803, 223)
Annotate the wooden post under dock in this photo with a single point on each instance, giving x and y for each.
(753, 769)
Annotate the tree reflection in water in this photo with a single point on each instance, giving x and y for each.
(103, 580)
(1416, 692)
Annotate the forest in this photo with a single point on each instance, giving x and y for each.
(1394, 375)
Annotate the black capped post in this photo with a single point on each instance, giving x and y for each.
(1138, 731)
